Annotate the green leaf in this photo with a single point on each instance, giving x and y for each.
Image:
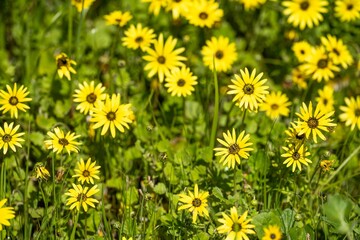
(160, 188)
(265, 219)
(288, 218)
(297, 233)
(218, 194)
(170, 175)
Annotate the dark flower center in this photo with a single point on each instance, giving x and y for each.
(313, 123)
(81, 197)
(274, 106)
(302, 51)
(203, 15)
(62, 62)
(236, 227)
(304, 5)
(325, 101)
(177, 1)
(336, 52)
(111, 116)
(86, 173)
(6, 138)
(248, 89)
(139, 39)
(299, 136)
(196, 202)
(13, 101)
(296, 156)
(219, 54)
(161, 59)
(234, 149)
(118, 20)
(349, 7)
(357, 112)
(272, 236)
(91, 98)
(63, 141)
(322, 63)
(181, 82)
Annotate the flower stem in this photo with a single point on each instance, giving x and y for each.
(72, 237)
(216, 110)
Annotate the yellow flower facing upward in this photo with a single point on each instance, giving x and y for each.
(314, 122)
(295, 156)
(234, 226)
(80, 196)
(82, 4)
(325, 100)
(178, 7)
(220, 51)
(234, 148)
(305, 13)
(319, 66)
(64, 67)
(180, 82)
(9, 138)
(204, 13)
(276, 104)
(41, 172)
(87, 172)
(155, 5)
(347, 10)
(195, 202)
(13, 100)
(6, 213)
(111, 115)
(118, 18)
(249, 89)
(138, 37)
(298, 77)
(163, 57)
(351, 112)
(301, 50)
(59, 141)
(87, 95)
(338, 51)
(251, 4)
(272, 232)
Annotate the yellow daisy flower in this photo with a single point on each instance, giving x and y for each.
(41, 172)
(6, 213)
(155, 5)
(9, 138)
(251, 4)
(178, 7)
(295, 156)
(220, 50)
(305, 13)
(249, 89)
(314, 122)
(13, 100)
(351, 112)
(294, 137)
(338, 52)
(59, 141)
(326, 165)
(234, 226)
(111, 114)
(347, 10)
(272, 232)
(180, 82)
(118, 18)
(299, 78)
(64, 66)
(86, 172)
(138, 37)
(326, 99)
(319, 65)
(235, 148)
(163, 57)
(275, 105)
(82, 4)
(204, 13)
(301, 50)
(80, 196)
(87, 95)
(195, 202)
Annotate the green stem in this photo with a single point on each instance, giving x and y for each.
(216, 110)
(78, 33)
(235, 192)
(54, 192)
(27, 160)
(243, 119)
(72, 237)
(70, 27)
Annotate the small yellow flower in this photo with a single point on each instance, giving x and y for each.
(326, 98)
(118, 18)
(9, 138)
(301, 50)
(347, 10)
(155, 5)
(87, 172)
(6, 213)
(82, 4)
(59, 141)
(87, 95)
(138, 37)
(41, 172)
(296, 155)
(180, 82)
(298, 78)
(80, 196)
(252, 4)
(326, 165)
(272, 233)
(338, 51)
(13, 100)
(351, 112)
(275, 105)
(204, 13)
(64, 66)
(195, 202)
